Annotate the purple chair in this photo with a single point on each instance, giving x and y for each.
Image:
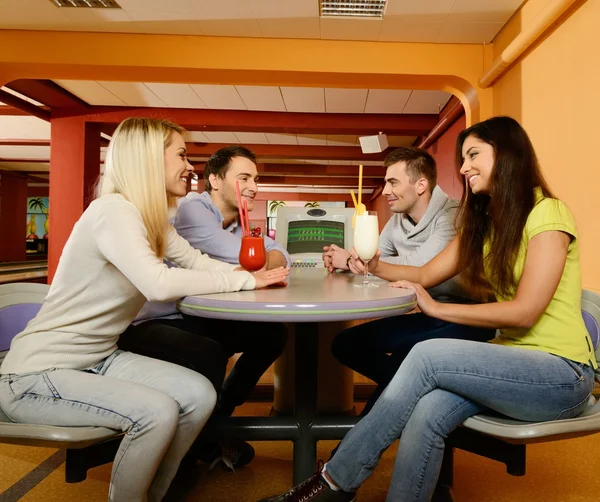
(503, 439)
(86, 447)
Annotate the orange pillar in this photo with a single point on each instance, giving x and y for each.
(13, 216)
(74, 168)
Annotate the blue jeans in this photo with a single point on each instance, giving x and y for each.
(439, 385)
(160, 406)
(376, 349)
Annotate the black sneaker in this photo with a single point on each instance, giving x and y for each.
(232, 454)
(314, 489)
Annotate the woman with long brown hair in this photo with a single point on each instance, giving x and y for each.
(516, 237)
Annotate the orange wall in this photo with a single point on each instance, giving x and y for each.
(258, 216)
(383, 210)
(443, 151)
(553, 91)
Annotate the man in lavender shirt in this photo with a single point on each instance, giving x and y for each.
(210, 222)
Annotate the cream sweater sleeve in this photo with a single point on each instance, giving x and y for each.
(181, 252)
(120, 236)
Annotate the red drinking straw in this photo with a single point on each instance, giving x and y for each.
(247, 217)
(240, 207)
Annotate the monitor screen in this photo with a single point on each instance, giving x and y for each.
(309, 236)
(305, 231)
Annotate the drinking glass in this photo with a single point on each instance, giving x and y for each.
(252, 253)
(366, 242)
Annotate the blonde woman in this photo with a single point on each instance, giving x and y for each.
(65, 369)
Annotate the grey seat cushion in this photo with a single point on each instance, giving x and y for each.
(516, 431)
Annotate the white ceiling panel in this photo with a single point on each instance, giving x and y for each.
(386, 101)
(401, 29)
(32, 14)
(221, 97)
(266, 18)
(96, 17)
(180, 6)
(221, 10)
(257, 97)
(25, 152)
(91, 92)
(176, 95)
(341, 139)
(196, 137)
(265, 9)
(133, 93)
(312, 139)
(350, 29)
(162, 27)
(221, 137)
(490, 11)
(282, 139)
(345, 100)
(23, 127)
(468, 33)
(36, 128)
(426, 101)
(304, 99)
(252, 138)
(424, 10)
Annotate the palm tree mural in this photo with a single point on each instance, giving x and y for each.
(274, 205)
(312, 204)
(36, 204)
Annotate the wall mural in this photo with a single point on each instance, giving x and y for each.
(37, 224)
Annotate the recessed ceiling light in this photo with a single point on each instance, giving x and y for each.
(353, 8)
(87, 4)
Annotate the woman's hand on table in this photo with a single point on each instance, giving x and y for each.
(426, 304)
(357, 266)
(273, 277)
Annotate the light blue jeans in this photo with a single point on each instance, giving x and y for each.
(439, 385)
(160, 406)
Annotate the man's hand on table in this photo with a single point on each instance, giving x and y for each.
(357, 266)
(335, 257)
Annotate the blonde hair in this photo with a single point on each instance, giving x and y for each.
(135, 168)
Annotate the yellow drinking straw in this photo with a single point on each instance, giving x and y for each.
(360, 207)
(359, 185)
(355, 208)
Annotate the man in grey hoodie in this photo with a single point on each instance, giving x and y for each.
(421, 227)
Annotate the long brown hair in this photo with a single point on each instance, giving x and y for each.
(501, 215)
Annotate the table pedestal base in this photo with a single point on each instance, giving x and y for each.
(305, 428)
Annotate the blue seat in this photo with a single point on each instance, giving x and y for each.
(504, 439)
(86, 447)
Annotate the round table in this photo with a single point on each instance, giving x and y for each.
(312, 296)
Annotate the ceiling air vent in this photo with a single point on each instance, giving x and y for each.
(353, 8)
(88, 4)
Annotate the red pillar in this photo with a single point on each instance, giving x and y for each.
(13, 216)
(74, 168)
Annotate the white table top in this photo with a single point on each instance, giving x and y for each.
(312, 295)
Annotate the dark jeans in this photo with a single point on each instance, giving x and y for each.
(204, 345)
(376, 349)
